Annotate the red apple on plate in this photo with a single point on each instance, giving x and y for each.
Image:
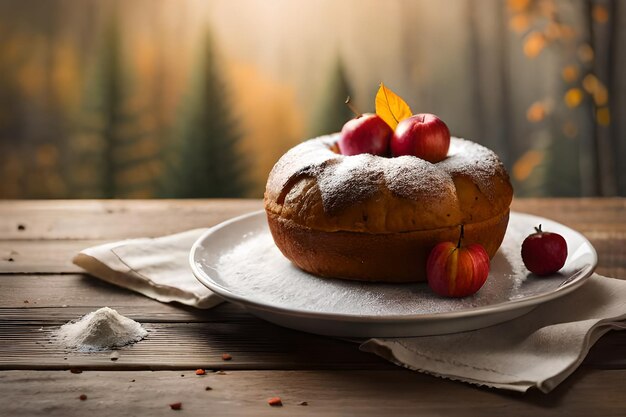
(453, 270)
(367, 133)
(544, 253)
(423, 135)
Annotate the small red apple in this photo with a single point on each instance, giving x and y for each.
(423, 135)
(544, 253)
(453, 270)
(367, 133)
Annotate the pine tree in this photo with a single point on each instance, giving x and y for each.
(204, 160)
(331, 111)
(112, 153)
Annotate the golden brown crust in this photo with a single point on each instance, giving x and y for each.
(368, 217)
(388, 257)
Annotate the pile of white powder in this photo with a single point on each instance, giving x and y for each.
(100, 330)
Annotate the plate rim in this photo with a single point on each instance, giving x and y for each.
(569, 285)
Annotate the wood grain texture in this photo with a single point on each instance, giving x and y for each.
(49, 306)
(118, 219)
(42, 256)
(328, 393)
(54, 231)
(38, 240)
(55, 256)
(74, 290)
(253, 344)
(113, 219)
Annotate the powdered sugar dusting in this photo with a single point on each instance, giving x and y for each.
(256, 270)
(355, 179)
(308, 158)
(346, 180)
(474, 161)
(411, 177)
(102, 329)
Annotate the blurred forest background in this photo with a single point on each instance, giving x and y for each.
(158, 98)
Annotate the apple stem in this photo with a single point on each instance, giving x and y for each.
(352, 108)
(458, 245)
(538, 229)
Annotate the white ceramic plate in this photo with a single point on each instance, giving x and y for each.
(239, 261)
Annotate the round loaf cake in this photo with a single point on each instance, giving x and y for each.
(372, 218)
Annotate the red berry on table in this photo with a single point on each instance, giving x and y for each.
(544, 253)
(453, 270)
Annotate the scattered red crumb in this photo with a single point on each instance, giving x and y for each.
(200, 372)
(76, 371)
(82, 397)
(176, 406)
(275, 402)
(226, 357)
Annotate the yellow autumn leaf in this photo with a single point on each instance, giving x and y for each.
(546, 8)
(390, 107)
(518, 5)
(536, 112)
(597, 89)
(567, 32)
(590, 83)
(600, 13)
(585, 52)
(524, 166)
(573, 97)
(552, 31)
(603, 116)
(534, 44)
(601, 95)
(570, 73)
(519, 23)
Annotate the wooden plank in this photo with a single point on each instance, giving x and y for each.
(49, 306)
(113, 219)
(41, 256)
(154, 313)
(55, 256)
(601, 220)
(253, 343)
(110, 219)
(582, 214)
(74, 290)
(327, 393)
(56, 299)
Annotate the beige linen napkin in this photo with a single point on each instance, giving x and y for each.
(539, 349)
(155, 267)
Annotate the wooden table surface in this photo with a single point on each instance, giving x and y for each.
(40, 289)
